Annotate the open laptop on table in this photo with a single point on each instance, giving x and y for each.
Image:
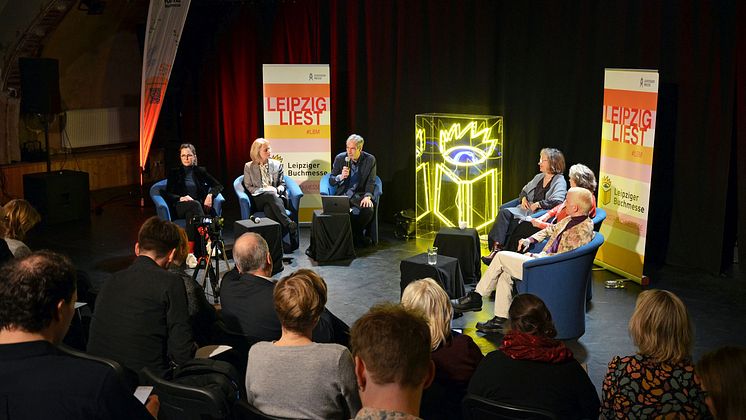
(335, 204)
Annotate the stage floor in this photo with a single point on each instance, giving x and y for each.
(717, 303)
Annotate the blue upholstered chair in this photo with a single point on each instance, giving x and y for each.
(562, 281)
(161, 207)
(294, 196)
(325, 188)
(598, 220)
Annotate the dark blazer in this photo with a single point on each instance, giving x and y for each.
(248, 309)
(176, 188)
(252, 176)
(41, 382)
(141, 319)
(367, 182)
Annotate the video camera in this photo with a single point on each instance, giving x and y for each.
(212, 224)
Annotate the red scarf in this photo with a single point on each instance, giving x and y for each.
(522, 346)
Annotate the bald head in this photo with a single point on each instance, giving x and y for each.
(251, 254)
(579, 199)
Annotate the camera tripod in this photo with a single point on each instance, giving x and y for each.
(211, 262)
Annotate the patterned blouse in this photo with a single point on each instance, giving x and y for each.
(636, 387)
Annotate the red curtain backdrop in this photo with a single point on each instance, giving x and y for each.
(540, 65)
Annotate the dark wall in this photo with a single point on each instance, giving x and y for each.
(539, 64)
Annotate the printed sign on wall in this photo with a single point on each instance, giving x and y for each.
(297, 122)
(627, 139)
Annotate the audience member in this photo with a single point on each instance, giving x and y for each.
(580, 176)
(246, 297)
(391, 348)
(354, 175)
(37, 381)
(20, 217)
(546, 190)
(5, 252)
(573, 232)
(141, 317)
(294, 377)
(455, 355)
(202, 315)
(532, 369)
(659, 380)
(723, 376)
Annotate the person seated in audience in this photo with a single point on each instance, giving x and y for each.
(294, 377)
(5, 253)
(20, 217)
(264, 180)
(572, 232)
(202, 315)
(141, 317)
(580, 176)
(546, 190)
(246, 297)
(37, 303)
(391, 348)
(723, 378)
(532, 369)
(659, 380)
(455, 355)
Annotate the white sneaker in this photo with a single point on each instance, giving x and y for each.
(191, 261)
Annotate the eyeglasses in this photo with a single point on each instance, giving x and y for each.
(187, 156)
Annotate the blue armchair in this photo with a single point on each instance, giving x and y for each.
(294, 196)
(325, 188)
(599, 219)
(562, 281)
(161, 207)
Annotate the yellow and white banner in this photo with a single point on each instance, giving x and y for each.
(165, 22)
(297, 121)
(627, 138)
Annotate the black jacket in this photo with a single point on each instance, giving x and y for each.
(367, 182)
(141, 319)
(176, 188)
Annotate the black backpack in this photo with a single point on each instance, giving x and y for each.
(216, 375)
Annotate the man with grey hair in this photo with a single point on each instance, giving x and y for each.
(246, 297)
(354, 175)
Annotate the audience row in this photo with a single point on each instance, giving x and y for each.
(397, 361)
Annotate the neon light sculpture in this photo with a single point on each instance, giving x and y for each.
(459, 170)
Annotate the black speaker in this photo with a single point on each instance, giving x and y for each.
(59, 196)
(40, 85)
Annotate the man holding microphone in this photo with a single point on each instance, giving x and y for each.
(354, 175)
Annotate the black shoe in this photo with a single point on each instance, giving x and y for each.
(487, 260)
(471, 302)
(494, 325)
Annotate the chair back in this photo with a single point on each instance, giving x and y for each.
(161, 207)
(478, 408)
(127, 377)
(243, 198)
(598, 220)
(185, 402)
(561, 281)
(242, 410)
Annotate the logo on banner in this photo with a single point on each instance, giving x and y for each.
(605, 191)
(172, 3)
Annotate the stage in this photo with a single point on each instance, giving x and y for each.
(717, 304)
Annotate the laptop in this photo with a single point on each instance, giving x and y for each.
(335, 204)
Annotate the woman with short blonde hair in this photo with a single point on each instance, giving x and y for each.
(455, 355)
(20, 217)
(651, 382)
(294, 377)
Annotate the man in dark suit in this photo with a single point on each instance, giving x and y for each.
(141, 317)
(354, 175)
(246, 297)
(37, 302)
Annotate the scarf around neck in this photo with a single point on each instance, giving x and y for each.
(521, 346)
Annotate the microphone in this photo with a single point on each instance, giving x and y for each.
(347, 161)
(254, 219)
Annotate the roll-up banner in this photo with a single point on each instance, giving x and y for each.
(627, 139)
(297, 122)
(165, 22)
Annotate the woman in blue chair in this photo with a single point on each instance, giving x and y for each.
(580, 176)
(546, 190)
(532, 369)
(264, 180)
(190, 190)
